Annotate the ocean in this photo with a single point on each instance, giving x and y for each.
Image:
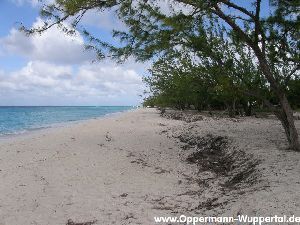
(20, 119)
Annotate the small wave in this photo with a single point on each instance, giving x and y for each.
(11, 133)
(20, 120)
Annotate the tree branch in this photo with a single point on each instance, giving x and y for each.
(239, 8)
(287, 79)
(265, 101)
(256, 20)
(233, 25)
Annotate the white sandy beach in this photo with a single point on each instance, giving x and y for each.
(128, 168)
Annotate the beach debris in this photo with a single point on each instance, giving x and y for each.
(163, 131)
(129, 216)
(159, 170)
(162, 110)
(211, 203)
(70, 222)
(212, 154)
(140, 162)
(242, 174)
(221, 167)
(187, 116)
(130, 154)
(108, 137)
(164, 203)
(124, 195)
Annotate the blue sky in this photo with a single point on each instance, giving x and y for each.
(9, 16)
(53, 69)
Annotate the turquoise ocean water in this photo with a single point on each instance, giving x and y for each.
(19, 119)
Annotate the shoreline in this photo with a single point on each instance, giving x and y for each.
(32, 131)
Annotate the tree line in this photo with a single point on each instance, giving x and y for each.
(179, 82)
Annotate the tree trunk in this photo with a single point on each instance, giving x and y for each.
(234, 107)
(248, 108)
(283, 119)
(287, 120)
(285, 115)
(230, 110)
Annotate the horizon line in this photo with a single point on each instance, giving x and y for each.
(68, 105)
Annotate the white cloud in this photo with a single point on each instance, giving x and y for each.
(169, 7)
(106, 20)
(59, 71)
(51, 46)
(33, 3)
(19, 2)
(91, 83)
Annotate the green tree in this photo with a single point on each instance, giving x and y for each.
(181, 82)
(202, 82)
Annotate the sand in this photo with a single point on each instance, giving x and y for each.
(128, 168)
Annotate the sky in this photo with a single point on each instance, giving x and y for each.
(54, 69)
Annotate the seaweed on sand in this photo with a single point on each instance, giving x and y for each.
(70, 222)
(211, 156)
(212, 153)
